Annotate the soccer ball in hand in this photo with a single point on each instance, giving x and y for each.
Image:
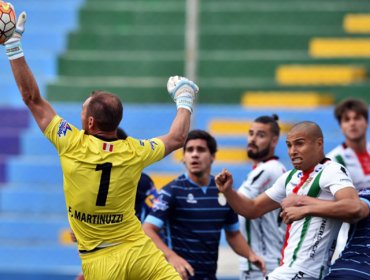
(7, 21)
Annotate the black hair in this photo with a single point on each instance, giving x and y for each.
(353, 104)
(272, 121)
(202, 134)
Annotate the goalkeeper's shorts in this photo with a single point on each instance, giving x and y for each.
(137, 260)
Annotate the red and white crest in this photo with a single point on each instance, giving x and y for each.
(107, 147)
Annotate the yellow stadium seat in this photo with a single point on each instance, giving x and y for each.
(339, 47)
(357, 23)
(162, 179)
(65, 237)
(286, 99)
(319, 74)
(237, 127)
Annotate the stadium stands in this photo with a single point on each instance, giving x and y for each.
(242, 44)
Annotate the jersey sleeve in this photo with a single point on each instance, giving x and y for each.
(335, 177)
(255, 184)
(277, 192)
(150, 150)
(161, 207)
(232, 221)
(62, 134)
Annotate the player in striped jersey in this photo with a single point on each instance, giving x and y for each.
(195, 213)
(354, 153)
(354, 262)
(311, 229)
(265, 235)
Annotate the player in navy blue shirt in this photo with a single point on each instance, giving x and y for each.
(354, 261)
(195, 213)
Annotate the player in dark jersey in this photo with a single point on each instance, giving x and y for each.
(195, 213)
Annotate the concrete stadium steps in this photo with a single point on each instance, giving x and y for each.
(40, 229)
(35, 258)
(286, 99)
(133, 13)
(357, 23)
(109, 41)
(245, 12)
(129, 64)
(216, 90)
(219, 39)
(258, 64)
(229, 36)
(43, 64)
(32, 200)
(339, 47)
(252, 64)
(233, 68)
(47, 24)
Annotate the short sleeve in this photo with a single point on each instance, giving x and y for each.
(255, 184)
(161, 207)
(335, 177)
(232, 221)
(62, 134)
(150, 150)
(277, 192)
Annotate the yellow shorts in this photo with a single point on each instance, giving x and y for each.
(140, 260)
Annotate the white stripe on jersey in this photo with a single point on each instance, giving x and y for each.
(266, 234)
(352, 163)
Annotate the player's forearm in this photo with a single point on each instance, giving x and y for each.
(241, 204)
(238, 244)
(25, 80)
(178, 132)
(149, 231)
(348, 210)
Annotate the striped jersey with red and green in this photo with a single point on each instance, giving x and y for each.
(358, 164)
(310, 241)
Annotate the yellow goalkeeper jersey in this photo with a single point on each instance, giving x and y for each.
(100, 181)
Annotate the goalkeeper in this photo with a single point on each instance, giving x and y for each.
(101, 172)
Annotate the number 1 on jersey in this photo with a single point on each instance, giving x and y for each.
(104, 183)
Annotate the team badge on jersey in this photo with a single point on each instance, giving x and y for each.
(63, 128)
(107, 147)
(221, 199)
(191, 199)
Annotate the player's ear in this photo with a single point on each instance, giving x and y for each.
(90, 122)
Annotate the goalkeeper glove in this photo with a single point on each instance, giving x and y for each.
(182, 91)
(13, 46)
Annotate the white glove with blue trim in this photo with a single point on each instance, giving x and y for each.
(182, 91)
(13, 46)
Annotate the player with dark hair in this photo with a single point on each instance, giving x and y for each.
(354, 153)
(265, 235)
(195, 213)
(101, 172)
(352, 115)
(311, 229)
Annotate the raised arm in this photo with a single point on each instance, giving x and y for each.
(249, 208)
(347, 207)
(27, 85)
(183, 92)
